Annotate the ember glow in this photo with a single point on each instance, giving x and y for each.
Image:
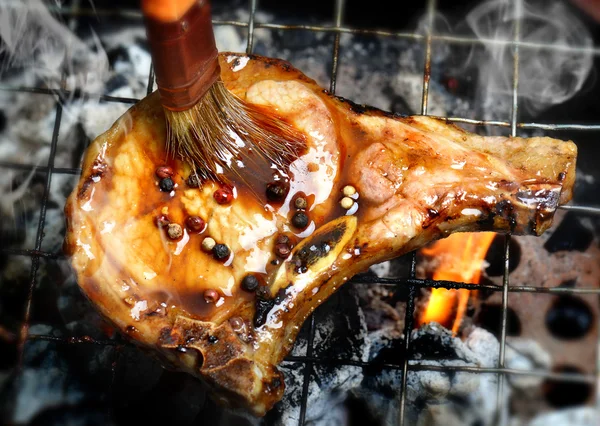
(461, 259)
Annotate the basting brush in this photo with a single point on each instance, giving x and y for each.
(207, 126)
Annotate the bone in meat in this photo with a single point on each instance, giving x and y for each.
(416, 179)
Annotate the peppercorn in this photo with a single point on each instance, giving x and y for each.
(282, 250)
(300, 220)
(250, 283)
(162, 220)
(349, 190)
(300, 203)
(346, 203)
(223, 195)
(237, 323)
(164, 172)
(193, 181)
(166, 184)
(211, 296)
(276, 191)
(220, 251)
(174, 231)
(282, 239)
(195, 223)
(208, 244)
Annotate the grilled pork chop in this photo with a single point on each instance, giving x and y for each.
(217, 280)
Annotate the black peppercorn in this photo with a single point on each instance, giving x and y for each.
(220, 251)
(250, 283)
(276, 191)
(166, 184)
(300, 220)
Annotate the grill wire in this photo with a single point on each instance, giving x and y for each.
(74, 11)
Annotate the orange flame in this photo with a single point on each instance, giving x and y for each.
(461, 259)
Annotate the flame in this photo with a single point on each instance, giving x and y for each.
(461, 259)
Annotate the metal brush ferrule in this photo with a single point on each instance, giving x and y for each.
(184, 54)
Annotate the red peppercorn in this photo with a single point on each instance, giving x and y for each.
(195, 223)
(223, 195)
(162, 221)
(282, 250)
(282, 239)
(164, 172)
(237, 323)
(211, 296)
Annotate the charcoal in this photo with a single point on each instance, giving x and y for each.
(115, 82)
(117, 54)
(340, 328)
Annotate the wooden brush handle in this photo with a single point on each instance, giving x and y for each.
(183, 48)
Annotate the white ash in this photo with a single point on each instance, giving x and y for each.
(575, 416)
(381, 269)
(432, 394)
(462, 397)
(526, 355)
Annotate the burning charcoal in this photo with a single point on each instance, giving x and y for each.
(571, 234)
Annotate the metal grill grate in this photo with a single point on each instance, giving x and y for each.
(74, 11)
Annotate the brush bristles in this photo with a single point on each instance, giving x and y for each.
(222, 133)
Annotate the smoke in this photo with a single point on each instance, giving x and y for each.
(546, 76)
(37, 50)
(33, 39)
